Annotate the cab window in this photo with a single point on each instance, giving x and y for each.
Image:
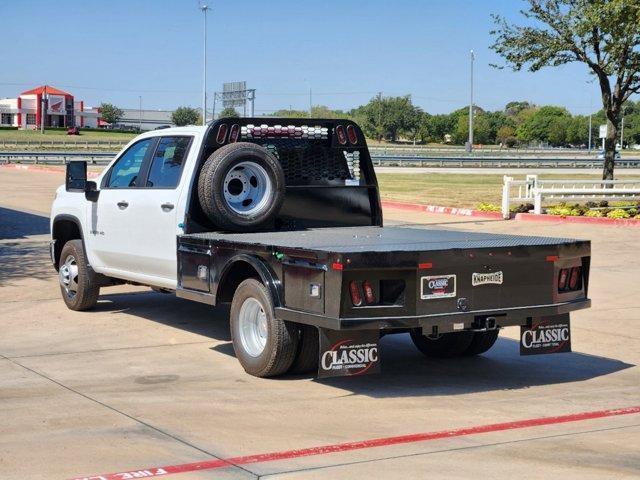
(126, 170)
(167, 162)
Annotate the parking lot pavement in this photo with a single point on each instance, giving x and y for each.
(148, 381)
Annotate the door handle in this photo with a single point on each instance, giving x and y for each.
(123, 204)
(166, 207)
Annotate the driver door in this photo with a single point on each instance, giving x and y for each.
(113, 217)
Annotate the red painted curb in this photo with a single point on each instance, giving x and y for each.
(609, 222)
(416, 207)
(360, 445)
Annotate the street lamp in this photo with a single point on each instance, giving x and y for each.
(204, 9)
(470, 145)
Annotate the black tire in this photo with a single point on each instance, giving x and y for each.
(306, 360)
(282, 337)
(482, 341)
(78, 283)
(212, 185)
(446, 345)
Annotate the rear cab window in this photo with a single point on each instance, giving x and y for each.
(168, 161)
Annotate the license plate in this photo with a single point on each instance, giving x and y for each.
(437, 286)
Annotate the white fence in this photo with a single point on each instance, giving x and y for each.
(536, 191)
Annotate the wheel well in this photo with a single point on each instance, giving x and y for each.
(237, 273)
(63, 231)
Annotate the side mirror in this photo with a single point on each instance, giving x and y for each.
(91, 191)
(76, 177)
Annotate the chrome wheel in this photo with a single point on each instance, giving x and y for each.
(247, 189)
(68, 275)
(253, 328)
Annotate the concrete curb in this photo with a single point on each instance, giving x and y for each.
(609, 222)
(463, 212)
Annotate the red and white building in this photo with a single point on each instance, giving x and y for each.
(49, 104)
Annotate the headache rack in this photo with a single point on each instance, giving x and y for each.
(329, 176)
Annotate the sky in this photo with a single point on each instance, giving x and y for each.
(345, 51)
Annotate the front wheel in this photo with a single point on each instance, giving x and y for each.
(78, 283)
(264, 345)
(446, 345)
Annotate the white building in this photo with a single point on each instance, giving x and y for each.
(56, 107)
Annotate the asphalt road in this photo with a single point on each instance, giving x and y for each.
(149, 381)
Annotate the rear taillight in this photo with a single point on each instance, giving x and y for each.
(368, 292)
(234, 132)
(222, 134)
(574, 279)
(356, 297)
(351, 133)
(342, 137)
(570, 279)
(562, 279)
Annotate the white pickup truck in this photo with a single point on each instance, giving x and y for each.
(282, 218)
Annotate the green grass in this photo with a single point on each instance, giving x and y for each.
(60, 136)
(453, 190)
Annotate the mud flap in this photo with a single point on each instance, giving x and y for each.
(348, 353)
(546, 335)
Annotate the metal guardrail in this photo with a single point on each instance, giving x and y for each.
(63, 144)
(533, 190)
(102, 158)
(498, 161)
(56, 158)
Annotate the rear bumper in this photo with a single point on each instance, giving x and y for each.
(506, 317)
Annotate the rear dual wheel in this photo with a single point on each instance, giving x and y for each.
(265, 345)
(454, 344)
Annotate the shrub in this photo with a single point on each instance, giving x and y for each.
(561, 210)
(603, 203)
(617, 213)
(594, 213)
(489, 207)
(522, 208)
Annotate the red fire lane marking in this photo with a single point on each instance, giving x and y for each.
(360, 445)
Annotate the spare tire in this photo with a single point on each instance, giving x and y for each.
(241, 187)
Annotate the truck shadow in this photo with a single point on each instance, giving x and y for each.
(405, 371)
(17, 224)
(23, 247)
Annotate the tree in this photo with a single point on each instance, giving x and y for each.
(603, 34)
(547, 124)
(110, 113)
(388, 117)
(229, 112)
(182, 116)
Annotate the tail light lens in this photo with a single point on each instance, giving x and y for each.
(562, 278)
(342, 137)
(356, 297)
(234, 132)
(222, 134)
(570, 279)
(574, 279)
(351, 133)
(368, 292)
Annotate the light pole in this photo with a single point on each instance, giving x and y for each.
(204, 9)
(622, 131)
(140, 113)
(470, 145)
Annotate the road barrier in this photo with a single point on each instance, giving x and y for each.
(102, 158)
(533, 190)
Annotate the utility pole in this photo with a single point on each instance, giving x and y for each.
(310, 101)
(140, 113)
(590, 130)
(622, 132)
(204, 9)
(380, 130)
(470, 141)
(44, 106)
